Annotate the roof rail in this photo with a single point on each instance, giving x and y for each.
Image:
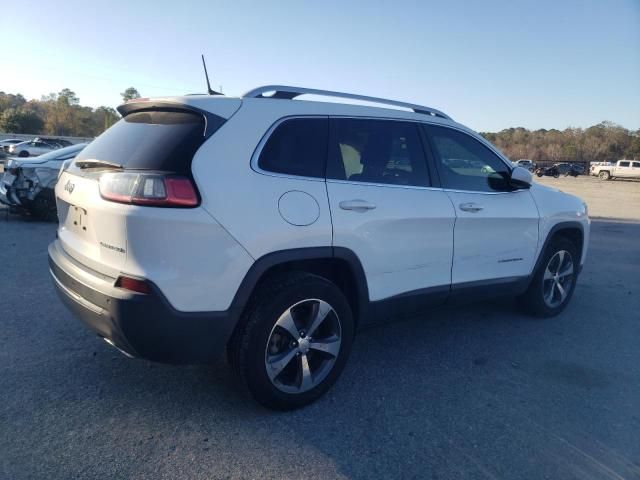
(289, 93)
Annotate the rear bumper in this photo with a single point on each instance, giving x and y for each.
(144, 326)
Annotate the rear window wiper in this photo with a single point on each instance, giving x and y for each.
(97, 164)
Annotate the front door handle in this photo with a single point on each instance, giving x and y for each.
(470, 207)
(357, 205)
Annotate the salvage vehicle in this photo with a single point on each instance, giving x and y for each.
(620, 169)
(558, 169)
(31, 148)
(28, 184)
(270, 229)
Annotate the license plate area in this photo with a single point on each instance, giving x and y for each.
(77, 218)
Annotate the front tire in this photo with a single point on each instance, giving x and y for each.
(23, 154)
(294, 340)
(554, 281)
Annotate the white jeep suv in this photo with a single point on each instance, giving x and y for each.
(272, 228)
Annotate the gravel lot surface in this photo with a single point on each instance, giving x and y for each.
(476, 391)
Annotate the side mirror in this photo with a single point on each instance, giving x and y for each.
(521, 177)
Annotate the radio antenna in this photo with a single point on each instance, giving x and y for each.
(206, 75)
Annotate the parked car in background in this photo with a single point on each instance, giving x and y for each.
(557, 169)
(575, 170)
(528, 164)
(364, 214)
(27, 185)
(553, 171)
(621, 169)
(54, 141)
(31, 148)
(5, 144)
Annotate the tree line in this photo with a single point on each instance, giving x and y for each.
(57, 114)
(61, 114)
(603, 142)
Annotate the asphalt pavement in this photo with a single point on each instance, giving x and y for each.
(476, 391)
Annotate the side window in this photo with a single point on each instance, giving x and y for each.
(376, 151)
(466, 164)
(624, 164)
(636, 164)
(297, 146)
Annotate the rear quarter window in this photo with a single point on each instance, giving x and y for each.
(297, 146)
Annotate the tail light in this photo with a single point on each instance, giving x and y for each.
(133, 284)
(151, 189)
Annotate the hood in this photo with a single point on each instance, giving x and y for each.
(26, 162)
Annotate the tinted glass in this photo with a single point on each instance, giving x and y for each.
(466, 164)
(151, 140)
(297, 146)
(636, 164)
(377, 151)
(624, 164)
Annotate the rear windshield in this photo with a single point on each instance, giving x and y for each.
(150, 140)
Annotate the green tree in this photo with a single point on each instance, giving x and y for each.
(104, 118)
(129, 94)
(68, 97)
(20, 120)
(9, 100)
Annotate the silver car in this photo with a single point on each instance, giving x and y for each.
(32, 148)
(5, 144)
(27, 185)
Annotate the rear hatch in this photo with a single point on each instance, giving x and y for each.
(142, 161)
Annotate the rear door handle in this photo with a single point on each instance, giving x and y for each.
(470, 207)
(357, 205)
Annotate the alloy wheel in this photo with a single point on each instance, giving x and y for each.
(557, 279)
(303, 346)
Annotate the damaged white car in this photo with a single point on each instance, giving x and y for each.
(27, 185)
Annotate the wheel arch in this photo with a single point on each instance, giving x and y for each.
(573, 231)
(338, 265)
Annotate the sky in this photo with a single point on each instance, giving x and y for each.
(488, 64)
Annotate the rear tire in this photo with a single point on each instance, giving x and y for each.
(604, 175)
(293, 341)
(23, 154)
(554, 281)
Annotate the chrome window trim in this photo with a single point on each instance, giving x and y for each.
(258, 150)
(453, 190)
(385, 185)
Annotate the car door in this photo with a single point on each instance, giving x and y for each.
(41, 147)
(385, 209)
(496, 229)
(623, 169)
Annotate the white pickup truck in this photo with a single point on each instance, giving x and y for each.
(620, 169)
